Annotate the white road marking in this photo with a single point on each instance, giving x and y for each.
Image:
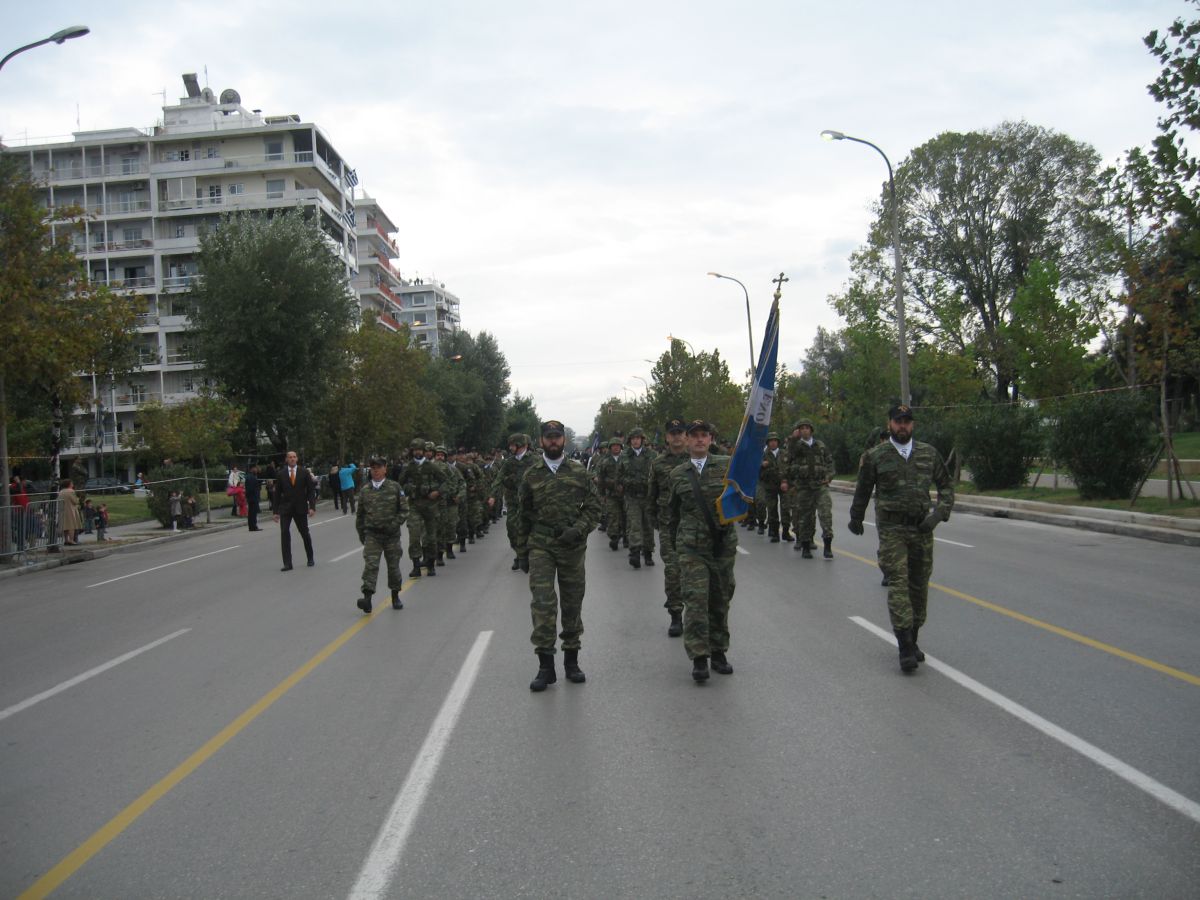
(942, 540)
(1138, 779)
(344, 555)
(71, 682)
(377, 872)
(163, 566)
(743, 551)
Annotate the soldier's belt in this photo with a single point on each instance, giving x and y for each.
(883, 517)
(548, 530)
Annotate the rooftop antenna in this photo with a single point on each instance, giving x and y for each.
(206, 74)
(78, 127)
(162, 93)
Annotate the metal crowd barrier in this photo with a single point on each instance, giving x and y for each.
(28, 529)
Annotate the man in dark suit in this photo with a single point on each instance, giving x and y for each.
(295, 501)
(253, 498)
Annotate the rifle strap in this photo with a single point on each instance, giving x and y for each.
(705, 510)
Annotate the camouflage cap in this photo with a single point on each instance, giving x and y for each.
(429, 446)
(439, 449)
(675, 424)
(772, 435)
(615, 440)
(900, 411)
(637, 432)
(376, 461)
(416, 444)
(800, 422)
(519, 439)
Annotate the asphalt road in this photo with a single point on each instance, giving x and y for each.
(276, 743)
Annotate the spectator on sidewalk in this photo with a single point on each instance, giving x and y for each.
(71, 519)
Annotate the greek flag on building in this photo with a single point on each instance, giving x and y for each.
(742, 479)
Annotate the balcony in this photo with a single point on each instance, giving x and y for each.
(122, 169)
(180, 357)
(180, 282)
(374, 224)
(256, 200)
(388, 321)
(118, 208)
(115, 246)
(141, 282)
(220, 163)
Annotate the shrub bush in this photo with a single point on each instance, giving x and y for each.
(1105, 442)
(162, 482)
(999, 444)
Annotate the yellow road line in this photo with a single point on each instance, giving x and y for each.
(71, 863)
(1054, 629)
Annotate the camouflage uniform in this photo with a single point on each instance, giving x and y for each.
(455, 499)
(381, 512)
(705, 561)
(550, 504)
(419, 481)
(902, 505)
(809, 470)
(660, 494)
(610, 493)
(772, 507)
(476, 489)
(633, 481)
(508, 479)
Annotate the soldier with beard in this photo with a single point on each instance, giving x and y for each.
(901, 472)
(558, 508)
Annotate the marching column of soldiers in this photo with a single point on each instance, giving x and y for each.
(631, 491)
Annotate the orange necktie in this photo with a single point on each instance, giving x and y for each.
(293, 471)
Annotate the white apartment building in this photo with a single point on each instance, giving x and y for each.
(377, 283)
(430, 311)
(148, 192)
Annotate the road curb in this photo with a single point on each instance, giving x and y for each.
(1165, 529)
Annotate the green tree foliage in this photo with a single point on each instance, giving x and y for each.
(470, 381)
(691, 386)
(376, 401)
(999, 443)
(269, 313)
(1105, 441)
(521, 417)
(55, 324)
(618, 416)
(197, 429)
(976, 210)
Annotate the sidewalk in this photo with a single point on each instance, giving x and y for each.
(1167, 529)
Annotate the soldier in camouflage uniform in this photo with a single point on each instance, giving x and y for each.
(610, 493)
(382, 509)
(476, 491)
(508, 479)
(809, 471)
(771, 502)
(453, 497)
(558, 508)
(707, 551)
(423, 483)
(901, 472)
(660, 492)
(633, 480)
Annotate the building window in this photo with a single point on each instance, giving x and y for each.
(418, 299)
(275, 187)
(180, 231)
(235, 189)
(274, 151)
(132, 235)
(212, 153)
(214, 194)
(177, 155)
(419, 319)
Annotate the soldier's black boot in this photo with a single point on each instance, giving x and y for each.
(774, 534)
(516, 563)
(675, 629)
(364, 603)
(571, 667)
(429, 566)
(625, 541)
(462, 545)
(545, 674)
(827, 553)
(700, 668)
(720, 663)
(416, 569)
(762, 528)
(449, 552)
(917, 650)
(635, 557)
(614, 543)
(471, 536)
(806, 551)
(397, 603)
(908, 654)
(648, 556)
(787, 535)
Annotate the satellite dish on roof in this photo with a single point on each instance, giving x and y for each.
(229, 95)
(208, 95)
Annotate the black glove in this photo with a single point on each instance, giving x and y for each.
(570, 536)
(525, 564)
(930, 522)
(362, 537)
(856, 526)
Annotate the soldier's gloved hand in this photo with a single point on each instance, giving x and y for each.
(570, 537)
(856, 526)
(362, 537)
(525, 564)
(930, 522)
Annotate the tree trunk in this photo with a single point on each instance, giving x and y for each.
(56, 425)
(5, 499)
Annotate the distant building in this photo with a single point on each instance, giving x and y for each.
(147, 192)
(431, 313)
(377, 284)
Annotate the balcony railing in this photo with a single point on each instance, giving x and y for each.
(117, 207)
(235, 201)
(179, 357)
(180, 282)
(383, 234)
(77, 172)
(141, 281)
(112, 246)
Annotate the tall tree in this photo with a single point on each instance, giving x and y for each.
(270, 310)
(470, 380)
(54, 322)
(521, 417)
(692, 385)
(976, 210)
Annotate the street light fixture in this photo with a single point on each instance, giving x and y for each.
(58, 37)
(671, 337)
(643, 381)
(901, 339)
(749, 329)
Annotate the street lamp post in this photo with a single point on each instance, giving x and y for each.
(57, 38)
(749, 328)
(643, 381)
(901, 338)
(673, 338)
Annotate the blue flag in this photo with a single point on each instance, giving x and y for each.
(742, 479)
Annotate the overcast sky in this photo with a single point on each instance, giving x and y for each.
(571, 170)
